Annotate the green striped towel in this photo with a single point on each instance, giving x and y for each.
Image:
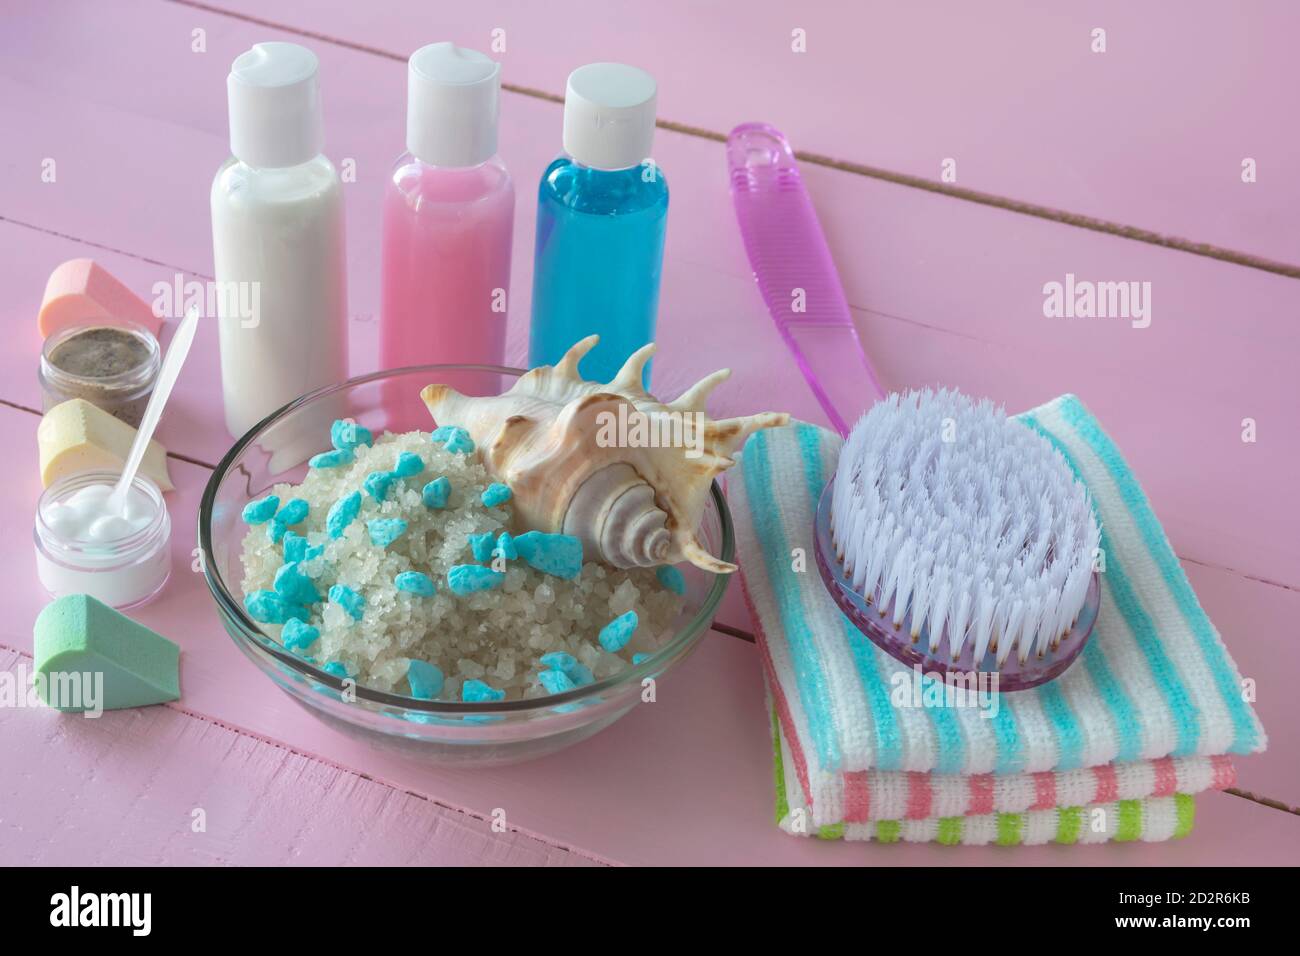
(1149, 819)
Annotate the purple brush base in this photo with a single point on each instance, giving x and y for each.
(897, 642)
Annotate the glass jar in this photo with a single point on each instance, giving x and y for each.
(111, 366)
(122, 572)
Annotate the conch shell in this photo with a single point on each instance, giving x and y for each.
(633, 503)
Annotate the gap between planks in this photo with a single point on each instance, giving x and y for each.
(907, 180)
(100, 245)
(171, 454)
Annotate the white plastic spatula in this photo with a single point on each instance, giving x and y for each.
(167, 375)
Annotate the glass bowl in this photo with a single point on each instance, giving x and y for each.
(443, 732)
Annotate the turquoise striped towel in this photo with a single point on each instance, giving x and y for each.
(1154, 680)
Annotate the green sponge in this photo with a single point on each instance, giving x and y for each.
(78, 635)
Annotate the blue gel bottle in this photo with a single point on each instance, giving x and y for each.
(602, 210)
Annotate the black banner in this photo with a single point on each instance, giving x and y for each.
(215, 905)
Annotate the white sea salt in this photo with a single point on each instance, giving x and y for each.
(495, 635)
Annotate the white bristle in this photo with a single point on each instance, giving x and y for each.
(967, 521)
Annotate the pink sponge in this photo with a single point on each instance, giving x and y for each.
(81, 291)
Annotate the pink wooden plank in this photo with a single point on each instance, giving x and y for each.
(949, 291)
(698, 757)
(1253, 619)
(1151, 133)
(117, 791)
(252, 794)
(703, 286)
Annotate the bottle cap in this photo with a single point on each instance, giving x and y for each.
(609, 115)
(451, 105)
(275, 114)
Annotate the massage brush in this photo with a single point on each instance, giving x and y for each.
(955, 538)
(958, 539)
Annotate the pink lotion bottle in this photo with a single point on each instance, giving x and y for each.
(448, 218)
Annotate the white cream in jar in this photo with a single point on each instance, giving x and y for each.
(82, 548)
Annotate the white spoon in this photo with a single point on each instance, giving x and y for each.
(167, 375)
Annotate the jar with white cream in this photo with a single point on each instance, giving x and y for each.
(81, 548)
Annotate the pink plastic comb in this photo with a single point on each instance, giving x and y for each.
(796, 276)
(795, 273)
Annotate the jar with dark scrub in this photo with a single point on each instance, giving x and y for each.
(111, 366)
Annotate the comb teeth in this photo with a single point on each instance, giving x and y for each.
(948, 512)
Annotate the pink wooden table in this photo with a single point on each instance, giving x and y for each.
(1123, 165)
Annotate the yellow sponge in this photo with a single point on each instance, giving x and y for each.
(76, 436)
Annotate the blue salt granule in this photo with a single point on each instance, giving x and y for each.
(342, 513)
(384, 531)
(267, 607)
(408, 464)
(292, 585)
(336, 669)
(481, 545)
(671, 578)
(468, 578)
(294, 512)
(378, 484)
(262, 510)
(436, 493)
(615, 635)
(349, 600)
(425, 679)
(413, 582)
(296, 549)
(558, 660)
(455, 438)
(569, 665)
(298, 636)
(556, 682)
(477, 692)
(495, 494)
(556, 554)
(346, 435)
(638, 658)
(332, 459)
(505, 547)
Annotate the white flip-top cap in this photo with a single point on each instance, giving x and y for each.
(451, 105)
(275, 114)
(609, 115)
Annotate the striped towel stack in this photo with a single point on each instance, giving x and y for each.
(1113, 749)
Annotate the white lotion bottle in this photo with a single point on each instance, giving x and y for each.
(277, 239)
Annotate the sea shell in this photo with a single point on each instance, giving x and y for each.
(607, 463)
